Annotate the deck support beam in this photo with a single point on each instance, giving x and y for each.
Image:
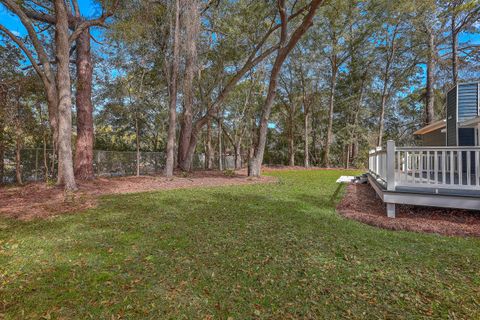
(391, 210)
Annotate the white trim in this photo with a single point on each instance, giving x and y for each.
(456, 113)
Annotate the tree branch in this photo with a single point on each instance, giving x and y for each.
(24, 48)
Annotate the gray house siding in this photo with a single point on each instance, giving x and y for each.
(452, 117)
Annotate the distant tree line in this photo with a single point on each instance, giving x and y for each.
(315, 83)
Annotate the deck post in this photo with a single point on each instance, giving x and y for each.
(391, 175)
(391, 210)
(390, 165)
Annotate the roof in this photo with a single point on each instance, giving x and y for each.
(470, 123)
(432, 127)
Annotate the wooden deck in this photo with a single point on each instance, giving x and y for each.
(447, 177)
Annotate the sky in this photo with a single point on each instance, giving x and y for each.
(88, 9)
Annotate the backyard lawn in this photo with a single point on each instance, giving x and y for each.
(275, 251)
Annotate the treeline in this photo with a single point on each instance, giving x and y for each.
(292, 82)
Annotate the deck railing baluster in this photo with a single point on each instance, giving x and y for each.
(444, 166)
(429, 167)
(460, 168)
(469, 168)
(452, 169)
(477, 165)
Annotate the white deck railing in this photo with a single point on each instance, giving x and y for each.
(426, 167)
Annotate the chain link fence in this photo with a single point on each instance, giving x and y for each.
(38, 164)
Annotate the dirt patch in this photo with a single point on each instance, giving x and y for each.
(37, 200)
(289, 168)
(361, 203)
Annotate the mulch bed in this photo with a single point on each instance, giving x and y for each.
(38, 200)
(361, 203)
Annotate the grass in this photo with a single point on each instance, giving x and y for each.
(260, 251)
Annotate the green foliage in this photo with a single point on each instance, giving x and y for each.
(229, 173)
(259, 251)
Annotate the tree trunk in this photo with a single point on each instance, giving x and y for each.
(354, 131)
(238, 154)
(2, 161)
(282, 53)
(291, 144)
(18, 161)
(454, 50)
(84, 143)
(220, 147)
(429, 94)
(209, 150)
(315, 156)
(172, 116)
(251, 148)
(137, 143)
(45, 158)
(256, 161)
(306, 132)
(331, 105)
(66, 174)
(347, 155)
(191, 22)
(381, 120)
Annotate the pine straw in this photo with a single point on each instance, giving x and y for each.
(38, 200)
(361, 203)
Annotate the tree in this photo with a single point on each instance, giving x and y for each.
(172, 122)
(57, 91)
(253, 51)
(191, 23)
(463, 14)
(286, 44)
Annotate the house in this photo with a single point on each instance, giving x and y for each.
(462, 125)
(445, 170)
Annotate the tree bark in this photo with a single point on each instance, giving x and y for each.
(429, 94)
(331, 105)
(209, 150)
(2, 160)
(220, 147)
(191, 22)
(238, 154)
(66, 175)
(390, 57)
(291, 142)
(85, 134)
(315, 157)
(137, 143)
(381, 120)
(306, 132)
(172, 113)
(454, 35)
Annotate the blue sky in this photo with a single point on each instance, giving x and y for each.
(88, 9)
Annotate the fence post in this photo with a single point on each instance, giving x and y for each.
(390, 165)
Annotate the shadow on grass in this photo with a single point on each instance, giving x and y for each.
(235, 251)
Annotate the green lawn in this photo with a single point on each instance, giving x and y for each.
(273, 251)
